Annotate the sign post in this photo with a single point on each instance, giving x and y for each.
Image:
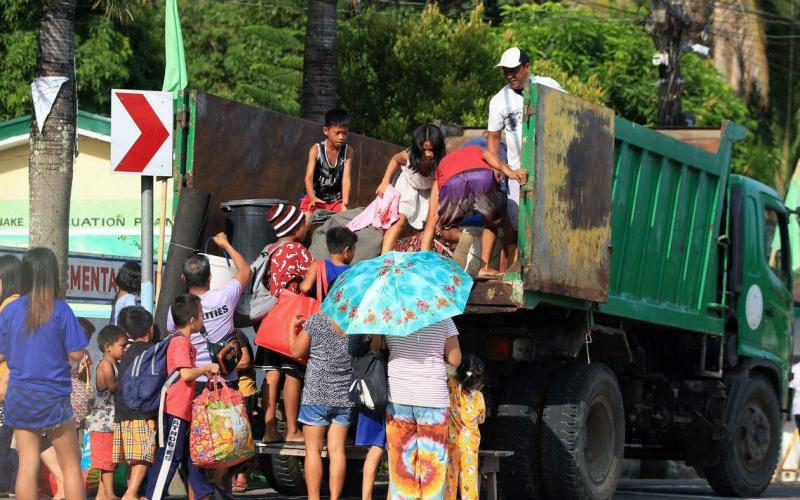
(141, 144)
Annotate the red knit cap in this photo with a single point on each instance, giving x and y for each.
(284, 218)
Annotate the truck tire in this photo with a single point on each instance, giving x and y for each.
(743, 462)
(517, 426)
(583, 433)
(285, 474)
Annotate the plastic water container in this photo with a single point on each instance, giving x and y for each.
(246, 225)
(222, 271)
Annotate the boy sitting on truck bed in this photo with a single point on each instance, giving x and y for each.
(327, 178)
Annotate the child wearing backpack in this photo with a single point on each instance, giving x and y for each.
(134, 431)
(187, 314)
(112, 341)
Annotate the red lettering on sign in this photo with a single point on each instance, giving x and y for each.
(84, 278)
(95, 279)
(74, 277)
(104, 272)
(113, 278)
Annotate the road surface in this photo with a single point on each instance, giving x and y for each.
(628, 490)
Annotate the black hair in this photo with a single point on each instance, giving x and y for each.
(197, 271)
(10, 274)
(470, 372)
(40, 281)
(184, 308)
(108, 335)
(129, 277)
(88, 327)
(426, 133)
(337, 118)
(136, 320)
(339, 238)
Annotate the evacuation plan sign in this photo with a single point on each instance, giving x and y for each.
(141, 132)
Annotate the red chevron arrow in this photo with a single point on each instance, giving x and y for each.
(153, 133)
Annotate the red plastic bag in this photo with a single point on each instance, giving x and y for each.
(273, 333)
(220, 434)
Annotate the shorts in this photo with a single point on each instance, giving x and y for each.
(272, 361)
(335, 205)
(371, 428)
(101, 446)
(317, 415)
(473, 191)
(134, 442)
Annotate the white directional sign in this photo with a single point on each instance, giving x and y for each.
(141, 132)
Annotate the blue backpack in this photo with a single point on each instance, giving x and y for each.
(145, 381)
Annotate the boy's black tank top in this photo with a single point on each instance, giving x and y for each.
(327, 177)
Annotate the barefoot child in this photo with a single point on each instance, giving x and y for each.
(289, 263)
(326, 407)
(134, 431)
(417, 165)
(187, 314)
(112, 341)
(465, 183)
(327, 179)
(467, 411)
(341, 243)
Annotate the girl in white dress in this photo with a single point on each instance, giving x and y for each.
(417, 166)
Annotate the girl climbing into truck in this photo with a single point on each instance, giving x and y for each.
(465, 183)
(417, 166)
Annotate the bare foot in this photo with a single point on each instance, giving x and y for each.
(131, 497)
(295, 438)
(489, 273)
(271, 437)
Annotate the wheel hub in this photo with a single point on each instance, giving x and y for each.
(600, 436)
(753, 436)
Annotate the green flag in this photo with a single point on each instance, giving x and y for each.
(175, 78)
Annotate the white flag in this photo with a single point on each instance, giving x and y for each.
(44, 90)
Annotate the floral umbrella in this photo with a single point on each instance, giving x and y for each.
(398, 293)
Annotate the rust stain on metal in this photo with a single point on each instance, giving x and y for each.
(571, 227)
(243, 151)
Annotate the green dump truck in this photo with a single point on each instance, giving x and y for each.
(650, 316)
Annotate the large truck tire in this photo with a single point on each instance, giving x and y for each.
(583, 433)
(517, 426)
(285, 474)
(742, 464)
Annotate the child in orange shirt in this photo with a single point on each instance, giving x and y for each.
(187, 313)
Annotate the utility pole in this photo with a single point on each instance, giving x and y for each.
(669, 25)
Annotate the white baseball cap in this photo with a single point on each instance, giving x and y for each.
(512, 58)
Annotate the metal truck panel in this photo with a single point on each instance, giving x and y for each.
(667, 209)
(666, 206)
(237, 151)
(569, 205)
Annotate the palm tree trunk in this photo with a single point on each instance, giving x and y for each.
(52, 151)
(319, 60)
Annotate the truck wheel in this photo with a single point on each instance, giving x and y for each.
(517, 427)
(285, 474)
(743, 462)
(583, 433)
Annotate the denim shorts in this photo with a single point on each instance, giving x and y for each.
(325, 415)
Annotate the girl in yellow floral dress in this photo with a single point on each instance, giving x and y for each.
(467, 411)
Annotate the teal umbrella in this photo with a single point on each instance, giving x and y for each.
(397, 293)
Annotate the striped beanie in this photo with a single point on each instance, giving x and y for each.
(284, 218)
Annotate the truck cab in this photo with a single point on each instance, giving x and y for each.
(761, 279)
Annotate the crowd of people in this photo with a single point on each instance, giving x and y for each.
(428, 430)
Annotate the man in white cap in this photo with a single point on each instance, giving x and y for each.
(505, 114)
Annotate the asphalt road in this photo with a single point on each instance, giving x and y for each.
(628, 490)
